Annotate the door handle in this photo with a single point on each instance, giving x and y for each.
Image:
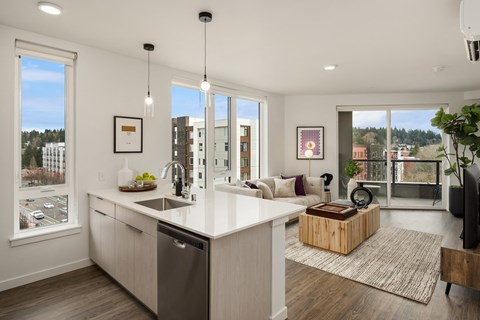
(179, 244)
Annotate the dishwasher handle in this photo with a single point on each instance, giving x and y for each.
(181, 238)
(179, 244)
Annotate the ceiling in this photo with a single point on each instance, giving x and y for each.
(278, 46)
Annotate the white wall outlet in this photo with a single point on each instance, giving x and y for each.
(101, 176)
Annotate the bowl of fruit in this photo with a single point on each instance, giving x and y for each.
(147, 178)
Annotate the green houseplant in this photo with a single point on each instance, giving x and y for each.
(462, 130)
(352, 169)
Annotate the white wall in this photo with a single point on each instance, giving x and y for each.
(321, 111)
(107, 84)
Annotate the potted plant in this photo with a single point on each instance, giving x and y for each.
(352, 169)
(461, 128)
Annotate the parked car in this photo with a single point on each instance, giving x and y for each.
(37, 214)
(64, 210)
(48, 205)
(30, 200)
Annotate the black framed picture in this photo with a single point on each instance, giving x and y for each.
(310, 143)
(127, 134)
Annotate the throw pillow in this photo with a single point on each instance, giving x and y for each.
(299, 185)
(284, 188)
(251, 185)
(267, 193)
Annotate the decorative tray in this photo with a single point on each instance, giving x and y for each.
(332, 211)
(137, 189)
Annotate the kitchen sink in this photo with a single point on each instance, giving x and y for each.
(162, 204)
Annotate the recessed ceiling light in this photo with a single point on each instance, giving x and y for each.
(329, 67)
(50, 8)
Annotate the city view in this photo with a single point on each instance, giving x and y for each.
(43, 148)
(415, 174)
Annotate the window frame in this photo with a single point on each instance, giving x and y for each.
(68, 188)
(210, 174)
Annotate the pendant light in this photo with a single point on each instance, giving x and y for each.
(205, 17)
(148, 107)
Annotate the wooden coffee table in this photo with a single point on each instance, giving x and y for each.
(340, 236)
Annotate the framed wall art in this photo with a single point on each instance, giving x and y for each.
(127, 135)
(310, 143)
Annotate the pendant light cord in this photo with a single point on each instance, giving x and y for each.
(205, 47)
(148, 72)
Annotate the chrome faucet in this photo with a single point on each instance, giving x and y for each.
(163, 175)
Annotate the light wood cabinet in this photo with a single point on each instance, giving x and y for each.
(124, 244)
(102, 240)
(136, 255)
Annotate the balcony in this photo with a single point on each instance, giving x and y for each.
(414, 183)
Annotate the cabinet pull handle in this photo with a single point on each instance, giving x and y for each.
(99, 198)
(179, 244)
(134, 229)
(103, 214)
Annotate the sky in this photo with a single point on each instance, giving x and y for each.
(189, 102)
(43, 94)
(407, 119)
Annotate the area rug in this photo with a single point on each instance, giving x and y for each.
(399, 261)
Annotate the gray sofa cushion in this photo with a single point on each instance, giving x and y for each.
(232, 188)
(267, 192)
(308, 200)
(284, 188)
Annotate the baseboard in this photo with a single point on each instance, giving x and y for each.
(280, 315)
(43, 274)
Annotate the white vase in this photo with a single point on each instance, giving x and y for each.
(125, 175)
(352, 184)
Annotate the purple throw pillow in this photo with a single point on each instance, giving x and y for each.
(299, 187)
(251, 185)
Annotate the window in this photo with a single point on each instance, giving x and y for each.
(190, 161)
(212, 133)
(44, 137)
(379, 137)
(200, 176)
(244, 176)
(248, 119)
(243, 162)
(243, 146)
(243, 131)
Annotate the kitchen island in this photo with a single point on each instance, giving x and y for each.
(246, 236)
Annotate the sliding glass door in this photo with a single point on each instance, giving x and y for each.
(396, 147)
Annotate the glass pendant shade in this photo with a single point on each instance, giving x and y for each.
(148, 106)
(205, 85)
(205, 17)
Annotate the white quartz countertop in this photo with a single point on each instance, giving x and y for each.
(215, 214)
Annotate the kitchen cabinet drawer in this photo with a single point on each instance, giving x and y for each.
(103, 206)
(137, 220)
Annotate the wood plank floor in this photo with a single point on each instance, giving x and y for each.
(89, 293)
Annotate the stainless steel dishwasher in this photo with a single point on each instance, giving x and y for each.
(183, 274)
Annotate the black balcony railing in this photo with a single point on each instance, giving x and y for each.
(406, 181)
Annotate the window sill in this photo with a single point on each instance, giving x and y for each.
(43, 235)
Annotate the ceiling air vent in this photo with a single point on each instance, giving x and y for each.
(470, 26)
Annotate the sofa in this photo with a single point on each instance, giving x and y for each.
(265, 188)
